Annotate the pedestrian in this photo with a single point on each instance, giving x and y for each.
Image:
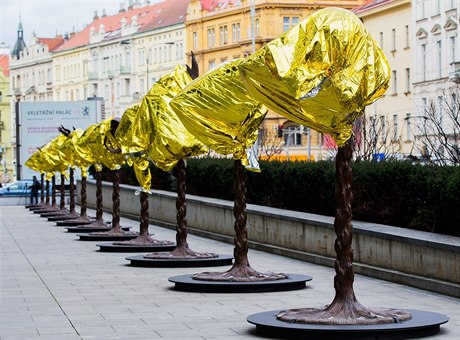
(34, 190)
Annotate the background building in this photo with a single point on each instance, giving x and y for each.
(437, 80)
(387, 130)
(6, 150)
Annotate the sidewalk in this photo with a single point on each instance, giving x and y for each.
(54, 286)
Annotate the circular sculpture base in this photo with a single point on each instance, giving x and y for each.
(72, 223)
(46, 210)
(122, 248)
(90, 237)
(141, 261)
(62, 217)
(84, 229)
(188, 284)
(54, 213)
(422, 324)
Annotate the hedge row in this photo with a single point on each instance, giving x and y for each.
(393, 193)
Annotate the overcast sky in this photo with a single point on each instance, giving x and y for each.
(47, 17)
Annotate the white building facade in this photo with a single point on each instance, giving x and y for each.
(436, 78)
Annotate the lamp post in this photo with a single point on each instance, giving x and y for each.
(18, 141)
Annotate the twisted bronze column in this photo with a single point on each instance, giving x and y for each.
(241, 270)
(83, 207)
(47, 200)
(62, 202)
(345, 309)
(71, 192)
(99, 206)
(42, 191)
(53, 192)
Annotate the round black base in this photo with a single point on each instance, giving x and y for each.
(38, 207)
(62, 217)
(54, 213)
(141, 261)
(121, 248)
(422, 324)
(89, 237)
(84, 229)
(45, 210)
(72, 223)
(188, 284)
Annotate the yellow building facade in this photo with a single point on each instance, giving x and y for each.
(7, 168)
(218, 31)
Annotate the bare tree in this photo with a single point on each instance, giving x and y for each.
(373, 135)
(437, 131)
(269, 144)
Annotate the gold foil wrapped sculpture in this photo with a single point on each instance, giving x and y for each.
(218, 110)
(51, 160)
(35, 162)
(93, 146)
(157, 132)
(322, 73)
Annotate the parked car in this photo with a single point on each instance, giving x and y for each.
(17, 188)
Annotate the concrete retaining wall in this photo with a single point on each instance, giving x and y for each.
(420, 259)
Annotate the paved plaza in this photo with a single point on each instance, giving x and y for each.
(54, 286)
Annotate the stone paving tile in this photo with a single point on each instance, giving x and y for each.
(56, 287)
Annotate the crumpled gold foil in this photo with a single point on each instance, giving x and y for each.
(157, 132)
(34, 162)
(51, 159)
(321, 73)
(93, 146)
(217, 109)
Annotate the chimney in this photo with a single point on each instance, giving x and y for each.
(130, 5)
(66, 36)
(95, 16)
(103, 13)
(122, 8)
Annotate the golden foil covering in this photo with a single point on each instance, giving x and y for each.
(321, 73)
(92, 146)
(51, 159)
(217, 109)
(157, 132)
(34, 162)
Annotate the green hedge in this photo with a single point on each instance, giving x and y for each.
(393, 193)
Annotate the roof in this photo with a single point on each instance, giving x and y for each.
(112, 24)
(52, 43)
(211, 5)
(369, 4)
(5, 64)
(172, 14)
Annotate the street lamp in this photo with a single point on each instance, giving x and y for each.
(18, 141)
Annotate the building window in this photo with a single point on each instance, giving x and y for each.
(408, 127)
(223, 35)
(395, 127)
(256, 27)
(289, 22)
(407, 36)
(423, 64)
(393, 39)
(395, 82)
(439, 57)
(453, 49)
(408, 84)
(211, 64)
(421, 10)
(437, 7)
(195, 40)
(292, 136)
(381, 39)
(236, 35)
(211, 38)
(383, 128)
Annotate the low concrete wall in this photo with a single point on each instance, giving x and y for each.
(420, 259)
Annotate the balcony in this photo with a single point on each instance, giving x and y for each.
(455, 74)
(93, 76)
(125, 70)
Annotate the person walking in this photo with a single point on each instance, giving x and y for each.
(34, 190)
